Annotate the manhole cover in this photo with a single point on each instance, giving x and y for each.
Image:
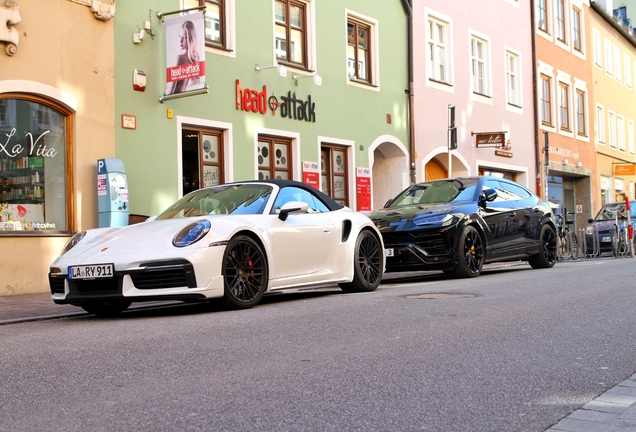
(440, 296)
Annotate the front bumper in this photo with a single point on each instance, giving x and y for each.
(425, 249)
(159, 280)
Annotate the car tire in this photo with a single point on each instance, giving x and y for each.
(547, 257)
(245, 273)
(368, 264)
(471, 253)
(106, 309)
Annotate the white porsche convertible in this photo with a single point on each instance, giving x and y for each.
(234, 241)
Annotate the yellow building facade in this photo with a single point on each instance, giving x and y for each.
(56, 121)
(613, 63)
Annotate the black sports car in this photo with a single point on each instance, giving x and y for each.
(457, 225)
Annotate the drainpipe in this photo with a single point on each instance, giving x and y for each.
(537, 144)
(408, 8)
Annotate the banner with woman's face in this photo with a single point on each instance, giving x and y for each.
(185, 53)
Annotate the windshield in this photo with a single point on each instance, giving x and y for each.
(224, 199)
(436, 192)
(610, 212)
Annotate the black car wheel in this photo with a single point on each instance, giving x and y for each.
(367, 266)
(245, 273)
(548, 245)
(471, 253)
(106, 309)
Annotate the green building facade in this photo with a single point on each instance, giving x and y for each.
(313, 91)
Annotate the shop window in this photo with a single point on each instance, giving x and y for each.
(291, 32)
(215, 20)
(274, 157)
(202, 158)
(35, 182)
(508, 175)
(334, 173)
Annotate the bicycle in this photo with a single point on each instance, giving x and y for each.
(567, 243)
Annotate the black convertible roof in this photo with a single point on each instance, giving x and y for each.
(326, 199)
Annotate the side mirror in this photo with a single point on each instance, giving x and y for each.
(292, 207)
(590, 220)
(487, 195)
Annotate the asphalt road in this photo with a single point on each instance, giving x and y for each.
(513, 350)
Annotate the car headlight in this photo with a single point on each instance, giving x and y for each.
(589, 230)
(73, 241)
(192, 233)
(437, 220)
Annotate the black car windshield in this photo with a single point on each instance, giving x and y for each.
(224, 199)
(440, 191)
(610, 212)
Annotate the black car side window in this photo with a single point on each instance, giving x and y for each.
(516, 192)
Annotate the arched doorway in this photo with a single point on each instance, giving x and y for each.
(435, 170)
(390, 172)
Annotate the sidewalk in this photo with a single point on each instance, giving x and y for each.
(31, 307)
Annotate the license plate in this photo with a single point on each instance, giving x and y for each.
(95, 271)
(606, 239)
(388, 252)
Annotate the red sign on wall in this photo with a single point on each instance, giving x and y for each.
(311, 174)
(363, 181)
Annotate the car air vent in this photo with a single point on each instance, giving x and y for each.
(57, 285)
(346, 230)
(165, 274)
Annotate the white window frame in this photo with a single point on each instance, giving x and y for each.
(598, 50)
(611, 128)
(548, 71)
(476, 93)
(573, 27)
(600, 124)
(547, 33)
(582, 134)
(620, 132)
(375, 51)
(557, 30)
(618, 74)
(514, 94)
(565, 126)
(447, 86)
(630, 137)
(434, 45)
(627, 64)
(609, 57)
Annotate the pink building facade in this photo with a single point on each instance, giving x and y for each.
(477, 57)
